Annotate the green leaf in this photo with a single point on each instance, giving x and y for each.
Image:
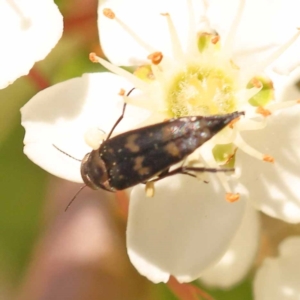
(22, 186)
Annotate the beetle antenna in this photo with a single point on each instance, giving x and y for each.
(75, 196)
(65, 153)
(121, 117)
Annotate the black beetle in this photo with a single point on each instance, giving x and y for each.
(140, 155)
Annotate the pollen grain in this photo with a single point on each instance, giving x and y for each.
(150, 190)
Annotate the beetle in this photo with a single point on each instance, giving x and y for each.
(140, 155)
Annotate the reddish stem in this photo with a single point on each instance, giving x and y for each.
(40, 81)
(123, 204)
(78, 21)
(187, 291)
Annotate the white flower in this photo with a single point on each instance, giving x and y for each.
(187, 226)
(279, 278)
(239, 257)
(29, 29)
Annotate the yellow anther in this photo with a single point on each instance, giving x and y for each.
(268, 158)
(108, 13)
(215, 39)
(93, 57)
(122, 92)
(256, 83)
(263, 111)
(155, 57)
(230, 197)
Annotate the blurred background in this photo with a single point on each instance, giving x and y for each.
(46, 253)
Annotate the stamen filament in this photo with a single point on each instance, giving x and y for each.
(248, 124)
(25, 21)
(151, 105)
(229, 40)
(240, 143)
(280, 51)
(138, 83)
(157, 73)
(281, 105)
(261, 66)
(192, 33)
(175, 42)
(135, 36)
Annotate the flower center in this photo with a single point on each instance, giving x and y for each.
(200, 78)
(201, 91)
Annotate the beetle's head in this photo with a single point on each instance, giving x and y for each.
(94, 173)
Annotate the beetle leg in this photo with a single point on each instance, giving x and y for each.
(185, 171)
(210, 170)
(165, 172)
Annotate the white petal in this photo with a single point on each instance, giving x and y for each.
(62, 114)
(287, 86)
(274, 188)
(275, 22)
(289, 61)
(238, 259)
(29, 30)
(279, 278)
(185, 228)
(145, 19)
